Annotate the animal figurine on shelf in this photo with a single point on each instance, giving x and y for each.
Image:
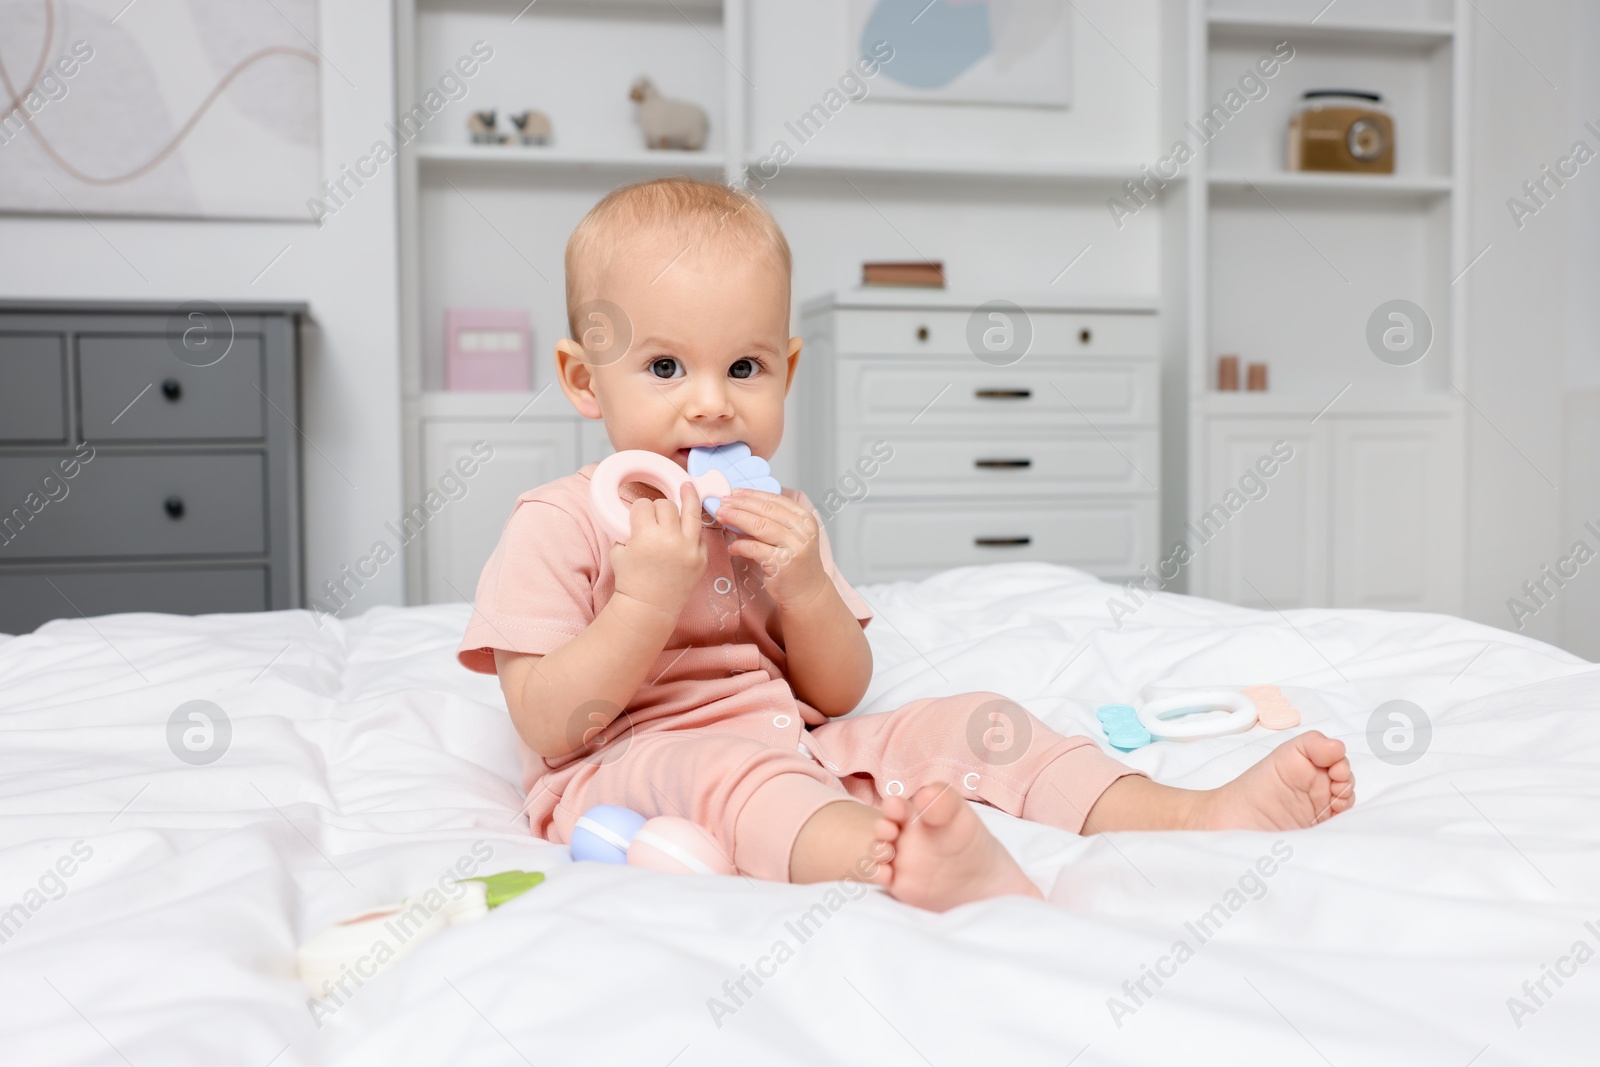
(482, 127)
(533, 127)
(668, 123)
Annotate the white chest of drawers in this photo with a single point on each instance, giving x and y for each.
(942, 432)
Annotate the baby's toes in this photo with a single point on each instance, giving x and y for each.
(1322, 750)
(896, 809)
(879, 866)
(1322, 798)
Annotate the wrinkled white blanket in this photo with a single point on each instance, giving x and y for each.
(150, 908)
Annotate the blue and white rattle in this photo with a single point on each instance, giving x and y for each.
(714, 472)
(1179, 718)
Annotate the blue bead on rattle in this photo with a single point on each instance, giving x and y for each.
(610, 833)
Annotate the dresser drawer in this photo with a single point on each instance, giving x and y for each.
(1051, 392)
(33, 404)
(133, 505)
(945, 332)
(137, 389)
(883, 541)
(964, 463)
(29, 598)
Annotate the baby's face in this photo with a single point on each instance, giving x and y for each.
(711, 357)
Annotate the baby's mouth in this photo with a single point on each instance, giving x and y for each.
(683, 453)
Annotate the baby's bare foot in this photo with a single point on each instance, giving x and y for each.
(1304, 781)
(944, 856)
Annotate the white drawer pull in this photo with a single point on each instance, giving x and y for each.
(1002, 394)
(990, 464)
(1002, 542)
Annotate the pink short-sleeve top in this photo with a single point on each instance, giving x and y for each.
(723, 665)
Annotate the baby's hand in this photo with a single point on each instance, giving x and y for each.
(782, 538)
(665, 556)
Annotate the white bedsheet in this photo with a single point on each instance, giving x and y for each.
(364, 762)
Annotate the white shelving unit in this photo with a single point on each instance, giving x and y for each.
(1286, 268)
(485, 225)
(448, 186)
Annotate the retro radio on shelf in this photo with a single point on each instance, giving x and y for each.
(1342, 130)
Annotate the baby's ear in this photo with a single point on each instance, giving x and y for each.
(795, 344)
(577, 378)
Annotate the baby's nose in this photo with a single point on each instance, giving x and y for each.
(709, 399)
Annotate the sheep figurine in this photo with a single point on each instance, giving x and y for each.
(668, 123)
(533, 127)
(481, 127)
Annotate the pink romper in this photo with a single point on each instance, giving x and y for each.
(715, 735)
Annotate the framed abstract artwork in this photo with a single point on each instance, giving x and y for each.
(206, 109)
(967, 51)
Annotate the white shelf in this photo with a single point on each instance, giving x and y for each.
(663, 9)
(1366, 184)
(1396, 34)
(539, 406)
(554, 158)
(909, 296)
(976, 167)
(1357, 402)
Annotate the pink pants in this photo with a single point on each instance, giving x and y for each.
(754, 798)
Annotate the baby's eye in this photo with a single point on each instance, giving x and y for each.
(666, 367)
(743, 368)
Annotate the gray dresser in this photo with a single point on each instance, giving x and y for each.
(149, 459)
(943, 432)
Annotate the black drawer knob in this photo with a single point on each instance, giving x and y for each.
(1084, 336)
(174, 506)
(922, 333)
(172, 389)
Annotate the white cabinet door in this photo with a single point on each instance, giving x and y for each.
(1397, 513)
(1260, 539)
(458, 537)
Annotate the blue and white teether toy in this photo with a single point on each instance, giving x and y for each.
(715, 472)
(1122, 726)
(1183, 717)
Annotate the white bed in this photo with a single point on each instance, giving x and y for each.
(363, 762)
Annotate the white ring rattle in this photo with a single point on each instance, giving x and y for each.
(1169, 719)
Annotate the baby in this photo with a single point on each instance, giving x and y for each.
(704, 669)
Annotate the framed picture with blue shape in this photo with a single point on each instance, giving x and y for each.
(968, 51)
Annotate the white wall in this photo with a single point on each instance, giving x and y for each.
(1581, 472)
(346, 271)
(1529, 340)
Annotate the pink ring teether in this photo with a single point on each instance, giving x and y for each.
(656, 471)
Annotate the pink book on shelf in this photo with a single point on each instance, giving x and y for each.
(487, 350)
